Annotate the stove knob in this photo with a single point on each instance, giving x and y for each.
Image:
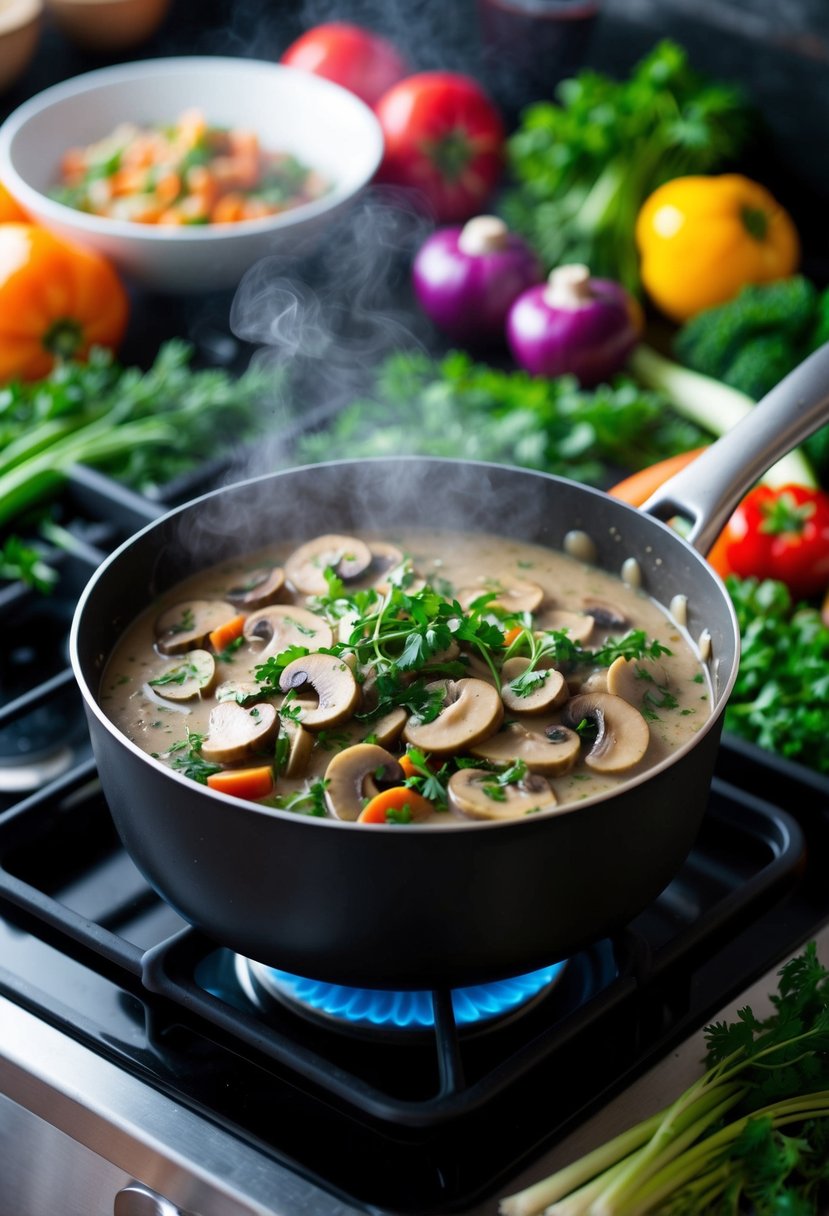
(138, 1200)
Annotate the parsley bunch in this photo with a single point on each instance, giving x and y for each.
(721, 1146)
(422, 407)
(558, 646)
(781, 698)
(585, 164)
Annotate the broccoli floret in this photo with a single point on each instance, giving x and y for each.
(752, 341)
(761, 363)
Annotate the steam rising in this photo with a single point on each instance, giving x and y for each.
(330, 318)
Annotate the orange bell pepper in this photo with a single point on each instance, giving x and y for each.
(56, 301)
(701, 239)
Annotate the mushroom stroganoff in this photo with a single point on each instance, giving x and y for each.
(426, 678)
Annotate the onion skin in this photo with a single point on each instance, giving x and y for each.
(589, 338)
(468, 296)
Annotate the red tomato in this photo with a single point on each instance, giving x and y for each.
(359, 60)
(778, 533)
(445, 138)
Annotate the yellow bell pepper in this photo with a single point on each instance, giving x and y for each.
(701, 239)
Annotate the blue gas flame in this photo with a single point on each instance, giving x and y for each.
(413, 1010)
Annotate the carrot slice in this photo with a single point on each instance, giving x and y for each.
(249, 783)
(223, 635)
(639, 486)
(383, 807)
(512, 634)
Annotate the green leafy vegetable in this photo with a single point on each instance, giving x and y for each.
(187, 758)
(26, 563)
(308, 801)
(754, 340)
(781, 698)
(720, 1147)
(144, 427)
(424, 407)
(585, 164)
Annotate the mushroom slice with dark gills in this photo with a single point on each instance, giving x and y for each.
(536, 692)
(186, 626)
(622, 734)
(193, 676)
(260, 588)
(338, 693)
(472, 710)
(238, 733)
(478, 794)
(511, 594)
(281, 626)
(347, 556)
(605, 614)
(357, 774)
(553, 752)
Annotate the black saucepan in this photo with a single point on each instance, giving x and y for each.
(414, 906)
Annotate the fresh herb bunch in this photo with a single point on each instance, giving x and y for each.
(585, 164)
(420, 406)
(751, 1135)
(143, 427)
(781, 698)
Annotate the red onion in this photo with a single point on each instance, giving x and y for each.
(574, 325)
(465, 279)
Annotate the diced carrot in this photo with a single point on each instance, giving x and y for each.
(382, 807)
(637, 488)
(129, 180)
(223, 635)
(249, 783)
(512, 634)
(406, 764)
(202, 184)
(73, 164)
(168, 188)
(228, 209)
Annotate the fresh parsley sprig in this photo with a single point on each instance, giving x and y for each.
(721, 1146)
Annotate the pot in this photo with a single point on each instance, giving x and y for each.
(418, 906)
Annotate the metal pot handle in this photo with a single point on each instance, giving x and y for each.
(708, 489)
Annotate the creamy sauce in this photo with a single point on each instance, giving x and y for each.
(672, 692)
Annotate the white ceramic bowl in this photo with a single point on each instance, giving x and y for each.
(328, 128)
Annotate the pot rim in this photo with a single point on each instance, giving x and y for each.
(719, 701)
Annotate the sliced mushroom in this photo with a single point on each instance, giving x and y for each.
(552, 753)
(387, 730)
(577, 625)
(384, 559)
(262, 587)
(194, 675)
(347, 556)
(300, 747)
(186, 626)
(243, 692)
(622, 733)
(283, 625)
(511, 594)
(632, 678)
(605, 614)
(332, 680)
(472, 711)
(547, 688)
(235, 733)
(357, 774)
(470, 793)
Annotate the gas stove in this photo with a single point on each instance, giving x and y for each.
(144, 1069)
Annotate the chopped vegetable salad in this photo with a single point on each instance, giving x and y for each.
(187, 173)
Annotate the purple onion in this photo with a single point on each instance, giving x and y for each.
(574, 325)
(465, 279)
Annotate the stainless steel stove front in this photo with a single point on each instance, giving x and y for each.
(81, 1137)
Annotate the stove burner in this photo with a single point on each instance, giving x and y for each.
(366, 1009)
